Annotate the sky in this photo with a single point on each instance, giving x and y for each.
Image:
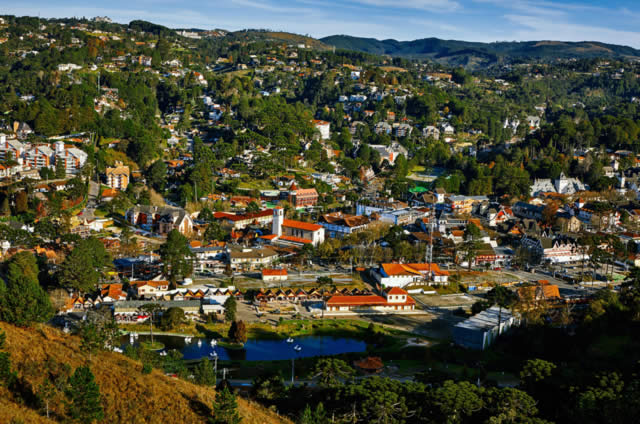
(611, 21)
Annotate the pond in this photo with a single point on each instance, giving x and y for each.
(260, 350)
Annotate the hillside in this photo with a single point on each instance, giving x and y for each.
(473, 54)
(277, 36)
(128, 395)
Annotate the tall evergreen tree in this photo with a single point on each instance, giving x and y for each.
(225, 408)
(176, 257)
(83, 394)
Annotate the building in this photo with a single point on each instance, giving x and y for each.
(481, 330)
(270, 275)
(554, 249)
(240, 221)
(401, 275)
(147, 288)
(11, 148)
(393, 300)
(72, 157)
(462, 205)
(39, 157)
(561, 185)
(324, 128)
(249, 259)
(118, 176)
(303, 197)
(128, 311)
(431, 132)
(293, 233)
(141, 60)
(338, 224)
(160, 219)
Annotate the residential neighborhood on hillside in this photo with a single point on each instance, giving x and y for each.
(220, 226)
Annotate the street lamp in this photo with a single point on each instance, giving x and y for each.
(215, 362)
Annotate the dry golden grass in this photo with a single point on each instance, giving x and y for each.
(128, 395)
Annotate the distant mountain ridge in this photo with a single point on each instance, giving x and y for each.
(474, 54)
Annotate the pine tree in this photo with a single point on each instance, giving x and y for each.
(23, 302)
(225, 408)
(61, 171)
(84, 400)
(307, 416)
(204, 373)
(230, 308)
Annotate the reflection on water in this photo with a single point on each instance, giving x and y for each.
(260, 350)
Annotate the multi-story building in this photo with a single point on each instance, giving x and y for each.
(339, 225)
(118, 176)
(39, 157)
(11, 148)
(72, 157)
(303, 197)
(324, 128)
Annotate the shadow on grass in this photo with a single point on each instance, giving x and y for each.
(209, 333)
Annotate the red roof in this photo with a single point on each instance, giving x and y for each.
(306, 226)
(295, 239)
(268, 271)
(396, 290)
(357, 300)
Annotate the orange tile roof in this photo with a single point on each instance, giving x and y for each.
(396, 290)
(296, 239)
(268, 271)
(306, 226)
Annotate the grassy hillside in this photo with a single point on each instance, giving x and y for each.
(128, 395)
(477, 54)
(278, 36)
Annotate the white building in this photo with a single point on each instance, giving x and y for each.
(324, 127)
(481, 330)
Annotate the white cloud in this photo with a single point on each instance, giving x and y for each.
(538, 28)
(430, 5)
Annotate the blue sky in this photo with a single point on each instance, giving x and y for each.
(613, 21)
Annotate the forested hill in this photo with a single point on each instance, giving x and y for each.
(473, 54)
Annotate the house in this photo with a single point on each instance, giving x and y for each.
(533, 122)
(389, 153)
(271, 274)
(555, 249)
(323, 127)
(304, 197)
(401, 275)
(481, 330)
(160, 219)
(338, 224)
(146, 288)
(118, 176)
(431, 132)
(462, 205)
(141, 60)
(561, 185)
(539, 292)
(382, 128)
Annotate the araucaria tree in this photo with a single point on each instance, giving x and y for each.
(176, 257)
